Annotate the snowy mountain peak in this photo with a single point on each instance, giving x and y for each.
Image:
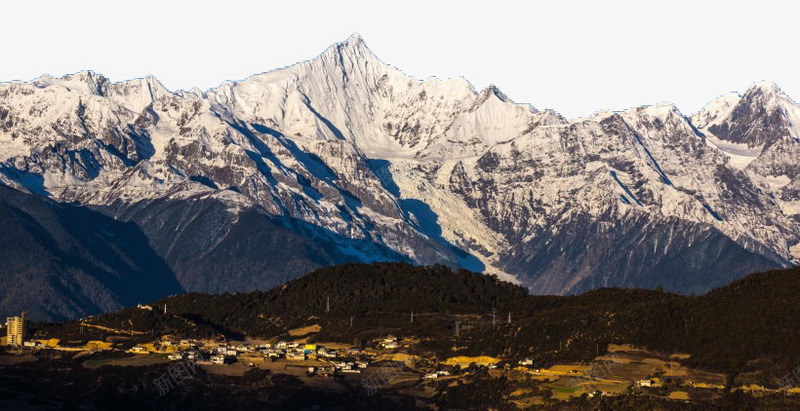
(767, 95)
(758, 132)
(662, 110)
(493, 90)
(86, 81)
(764, 87)
(87, 76)
(354, 48)
(763, 116)
(355, 39)
(716, 110)
(136, 94)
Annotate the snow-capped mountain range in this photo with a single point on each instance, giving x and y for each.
(353, 154)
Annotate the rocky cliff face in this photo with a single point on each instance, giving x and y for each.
(349, 154)
(759, 132)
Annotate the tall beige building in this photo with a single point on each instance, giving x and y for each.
(16, 330)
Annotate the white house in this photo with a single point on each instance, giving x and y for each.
(645, 383)
(296, 356)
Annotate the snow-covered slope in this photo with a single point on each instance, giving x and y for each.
(760, 132)
(349, 151)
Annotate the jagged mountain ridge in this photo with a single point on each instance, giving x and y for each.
(760, 132)
(382, 166)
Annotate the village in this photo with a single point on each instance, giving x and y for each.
(379, 366)
(387, 363)
(390, 362)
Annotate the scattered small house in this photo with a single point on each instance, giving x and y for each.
(389, 342)
(218, 359)
(645, 383)
(526, 362)
(296, 356)
(138, 349)
(431, 376)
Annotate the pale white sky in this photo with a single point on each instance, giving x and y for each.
(574, 57)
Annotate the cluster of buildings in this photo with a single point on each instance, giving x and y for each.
(352, 360)
(225, 353)
(347, 367)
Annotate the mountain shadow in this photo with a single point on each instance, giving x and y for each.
(62, 260)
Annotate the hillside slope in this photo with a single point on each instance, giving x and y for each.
(62, 261)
